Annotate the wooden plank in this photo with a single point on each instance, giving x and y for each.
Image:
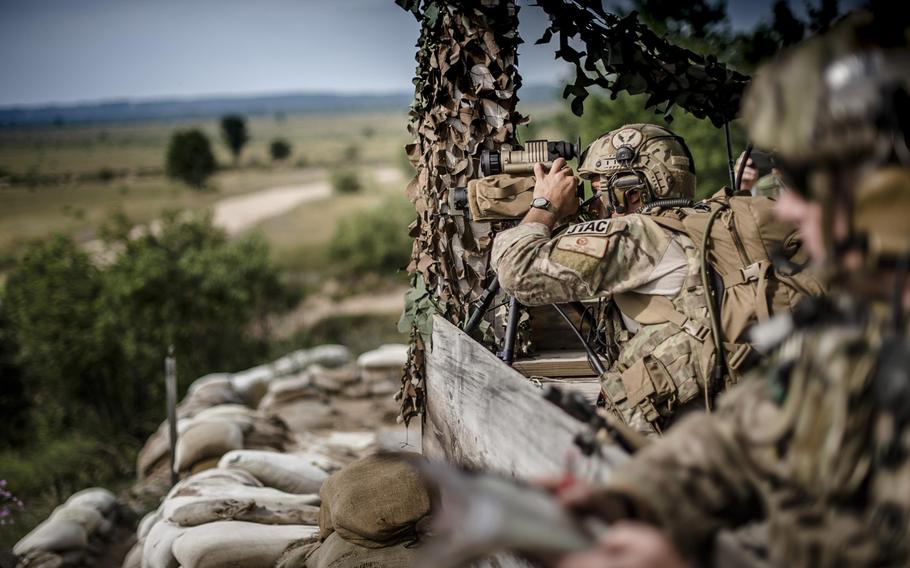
(482, 413)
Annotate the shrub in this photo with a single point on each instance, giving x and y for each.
(374, 240)
(279, 149)
(234, 133)
(190, 158)
(345, 181)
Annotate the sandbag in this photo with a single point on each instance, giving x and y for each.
(41, 559)
(337, 552)
(267, 432)
(233, 543)
(96, 498)
(375, 501)
(264, 497)
(133, 558)
(54, 534)
(146, 523)
(252, 384)
(204, 465)
(332, 380)
(286, 472)
(268, 509)
(207, 439)
(393, 355)
(296, 553)
(289, 388)
(226, 478)
(156, 550)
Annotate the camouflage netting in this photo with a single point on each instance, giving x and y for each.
(623, 54)
(464, 101)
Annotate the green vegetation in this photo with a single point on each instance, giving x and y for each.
(234, 134)
(83, 342)
(279, 149)
(374, 240)
(190, 158)
(345, 181)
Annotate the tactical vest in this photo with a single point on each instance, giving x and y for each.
(664, 365)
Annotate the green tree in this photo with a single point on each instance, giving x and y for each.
(51, 300)
(279, 149)
(190, 158)
(187, 284)
(234, 133)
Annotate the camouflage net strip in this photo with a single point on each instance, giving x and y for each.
(623, 54)
(464, 100)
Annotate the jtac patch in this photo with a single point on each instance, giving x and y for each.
(589, 246)
(598, 227)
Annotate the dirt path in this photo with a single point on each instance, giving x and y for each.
(236, 214)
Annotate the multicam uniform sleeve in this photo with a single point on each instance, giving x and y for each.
(591, 259)
(703, 476)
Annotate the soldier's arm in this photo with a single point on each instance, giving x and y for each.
(700, 478)
(593, 259)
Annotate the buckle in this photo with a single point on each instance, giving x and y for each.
(696, 330)
(751, 272)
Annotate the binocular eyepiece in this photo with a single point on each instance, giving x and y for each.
(520, 161)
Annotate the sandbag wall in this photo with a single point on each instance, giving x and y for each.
(246, 478)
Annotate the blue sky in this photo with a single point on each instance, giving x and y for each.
(64, 51)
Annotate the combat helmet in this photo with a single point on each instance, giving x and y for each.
(643, 157)
(837, 109)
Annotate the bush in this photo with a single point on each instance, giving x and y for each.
(90, 341)
(345, 181)
(279, 149)
(374, 240)
(190, 158)
(234, 133)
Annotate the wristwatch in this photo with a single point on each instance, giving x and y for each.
(543, 203)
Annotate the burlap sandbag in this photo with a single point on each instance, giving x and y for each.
(375, 501)
(286, 472)
(54, 534)
(232, 544)
(254, 505)
(208, 439)
(201, 483)
(337, 552)
(97, 498)
(133, 558)
(156, 550)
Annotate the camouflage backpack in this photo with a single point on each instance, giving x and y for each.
(737, 235)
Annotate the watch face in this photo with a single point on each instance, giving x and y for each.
(540, 202)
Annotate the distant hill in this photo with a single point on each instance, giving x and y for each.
(166, 109)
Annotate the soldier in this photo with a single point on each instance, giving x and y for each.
(644, 261)
(820, 444)
(628, 253)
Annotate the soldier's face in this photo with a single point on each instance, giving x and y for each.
(807, 216)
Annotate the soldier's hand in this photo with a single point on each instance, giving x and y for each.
(559, 186)
(628, 545)
(750, 174)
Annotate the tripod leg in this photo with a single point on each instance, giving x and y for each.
(486, 298)
(508, 347)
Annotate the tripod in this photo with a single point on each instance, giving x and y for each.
(508, 350)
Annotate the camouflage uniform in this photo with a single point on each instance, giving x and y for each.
(810, 448)
(661, 367)
(818, 444)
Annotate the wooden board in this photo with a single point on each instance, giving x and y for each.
(482, 413)
(555, 364)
